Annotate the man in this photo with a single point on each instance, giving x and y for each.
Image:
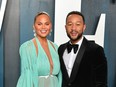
(86, 67)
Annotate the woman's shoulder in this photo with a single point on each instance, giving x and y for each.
(26, 44)
(53, 43)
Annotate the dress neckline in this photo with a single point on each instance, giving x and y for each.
(43, 51)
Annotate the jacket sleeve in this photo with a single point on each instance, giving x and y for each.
(101, 68)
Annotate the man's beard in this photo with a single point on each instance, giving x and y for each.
(75, 39)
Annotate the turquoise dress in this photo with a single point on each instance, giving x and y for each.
(35, 69)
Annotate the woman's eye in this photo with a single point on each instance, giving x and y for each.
(47, 23)
(39, 24)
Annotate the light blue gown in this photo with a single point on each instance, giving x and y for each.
(35, 69)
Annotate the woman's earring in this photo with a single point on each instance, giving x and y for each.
(34, 33)
(50, 32)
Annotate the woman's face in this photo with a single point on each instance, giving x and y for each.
(42, 25)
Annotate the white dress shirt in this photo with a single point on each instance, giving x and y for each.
(69, 58)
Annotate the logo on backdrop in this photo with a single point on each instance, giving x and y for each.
(113, 1)
(59, 26)
(59, 22)
(2, 12)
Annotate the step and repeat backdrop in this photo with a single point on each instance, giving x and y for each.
(16, 27)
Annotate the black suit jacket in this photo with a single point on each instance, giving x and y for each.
(89, 69)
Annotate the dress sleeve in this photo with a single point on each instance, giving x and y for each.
(60, 79)
(25, 79)
(60, 73)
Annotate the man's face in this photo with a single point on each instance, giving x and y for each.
(75, 27)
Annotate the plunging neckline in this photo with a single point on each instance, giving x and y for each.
(39, 46)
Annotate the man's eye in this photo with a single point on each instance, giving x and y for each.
(69, 24)
(78, 24)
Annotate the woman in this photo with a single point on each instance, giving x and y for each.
(40, 65)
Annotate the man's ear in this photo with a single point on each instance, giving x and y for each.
(84, 27)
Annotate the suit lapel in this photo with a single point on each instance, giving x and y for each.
(77, 61)
(64, 70)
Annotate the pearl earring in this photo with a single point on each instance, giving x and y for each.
(34, 33)
(50, 32)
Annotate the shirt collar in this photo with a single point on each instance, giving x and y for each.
(79, 42)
